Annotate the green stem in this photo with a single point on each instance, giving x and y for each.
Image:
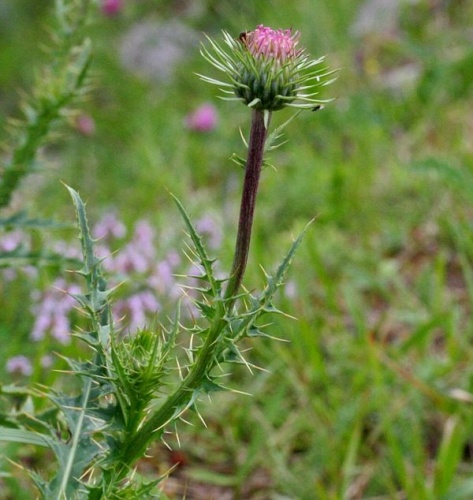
(184, 393)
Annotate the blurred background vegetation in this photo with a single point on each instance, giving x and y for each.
(371, 397)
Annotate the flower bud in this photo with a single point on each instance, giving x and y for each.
(267, 70)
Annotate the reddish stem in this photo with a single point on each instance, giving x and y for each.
(254, 163)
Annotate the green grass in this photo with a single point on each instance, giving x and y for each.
(365, 400)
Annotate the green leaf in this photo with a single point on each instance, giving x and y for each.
(241, 162)
(23, 436)
(449, 455)
(21, 257)
(204, 260)
(349, 463)
(277, 133)
(95, 301)
(75, 455)
(207, 310)
(60, 83)
(277, 280)
(451, 174)
(462, 492)
(209, 477)
(86, 241)
(21, 220)
(263, 304)
(209, 386)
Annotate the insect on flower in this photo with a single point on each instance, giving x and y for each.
(242, 36)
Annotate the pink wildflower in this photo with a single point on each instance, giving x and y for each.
(111, 8)
(46, 361)
(139, 254)
(274, 44)
(11, 241)
(134, 310)
(20, 365)
(85, 125)
(109, 226)
(203, 119)
(52, 312)
(209, 226)
(162, 279)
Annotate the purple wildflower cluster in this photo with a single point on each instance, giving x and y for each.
(12, 242)
(19, 365)
(51, 310)
(146, 280)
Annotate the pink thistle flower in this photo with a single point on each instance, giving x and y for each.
(266, 70)
(203, 119)
(111, 8)
(273, 44)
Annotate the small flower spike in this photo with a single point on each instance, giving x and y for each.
(267, 70)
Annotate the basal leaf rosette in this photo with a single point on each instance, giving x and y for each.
(267, 70)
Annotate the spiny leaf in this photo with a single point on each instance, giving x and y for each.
(263, 304)
(208, 386)
(241, 162)
(86, 241)
(80, 450)
(61, 83)
(207, 310)
(131, 491)
(205, 261)
(95, 301)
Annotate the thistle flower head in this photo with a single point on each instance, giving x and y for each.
(272, 44)
(266, 70)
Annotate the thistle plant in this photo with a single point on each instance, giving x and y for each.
(267, 72)
(130, 395)
(58, 87)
